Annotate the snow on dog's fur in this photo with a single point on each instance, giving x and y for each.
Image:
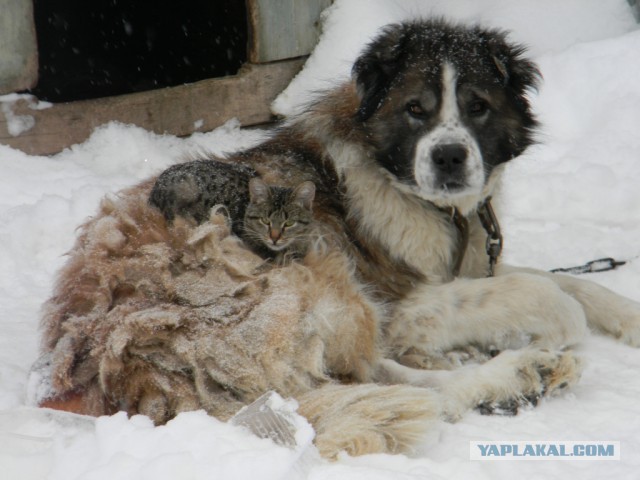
(157, 319)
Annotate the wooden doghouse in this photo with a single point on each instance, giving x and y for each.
(279, 35)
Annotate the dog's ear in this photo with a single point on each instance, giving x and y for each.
(516, 71)
(376, 68)
(519, 76)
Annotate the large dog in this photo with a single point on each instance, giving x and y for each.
(391, 321)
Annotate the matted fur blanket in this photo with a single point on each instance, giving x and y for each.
(157, 320)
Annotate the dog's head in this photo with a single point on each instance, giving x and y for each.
(443, 105)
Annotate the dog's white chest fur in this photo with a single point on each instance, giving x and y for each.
(415, 232)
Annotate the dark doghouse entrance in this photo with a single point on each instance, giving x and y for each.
(168, 68)
(102, 48)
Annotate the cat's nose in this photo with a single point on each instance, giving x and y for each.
(275, 235)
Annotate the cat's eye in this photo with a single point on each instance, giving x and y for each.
(265, 221)
(289, 223)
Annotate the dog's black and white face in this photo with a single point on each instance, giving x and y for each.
(443, 105)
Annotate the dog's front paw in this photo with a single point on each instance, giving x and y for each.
(508, 382)
(507, 408)
(535, 373)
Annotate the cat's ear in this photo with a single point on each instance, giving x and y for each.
(304, 194)
(258, 191)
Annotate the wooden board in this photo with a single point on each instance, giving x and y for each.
(635, 7)
(282, 29)
(181, 110)
(18, 49)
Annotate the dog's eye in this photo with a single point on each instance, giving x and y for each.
(477, 108)
(416, 110)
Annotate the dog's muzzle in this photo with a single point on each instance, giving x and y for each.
(447, 164)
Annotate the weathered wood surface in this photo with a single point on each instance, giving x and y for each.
(182, 110)
(18, 49)
(282, 29)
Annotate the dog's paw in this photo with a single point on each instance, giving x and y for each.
(469, 355)
(508, 408)
(620, 321)
(524, 377)
(630, 326)
(449, 360)
(607, 312)
(631, 336)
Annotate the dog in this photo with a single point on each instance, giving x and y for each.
(399, 316)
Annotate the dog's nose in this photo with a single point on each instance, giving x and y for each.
(449, 158)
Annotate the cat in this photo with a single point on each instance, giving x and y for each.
(279, 219)
(273, 221)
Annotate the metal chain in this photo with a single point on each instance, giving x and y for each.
(600, 265)
(495, 241)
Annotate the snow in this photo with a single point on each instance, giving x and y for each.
(572, 198)
(545, 26)
(19, 124)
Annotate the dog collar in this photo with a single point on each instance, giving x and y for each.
(490, 224)
(462, 225)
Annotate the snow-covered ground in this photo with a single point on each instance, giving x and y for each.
(572, 198)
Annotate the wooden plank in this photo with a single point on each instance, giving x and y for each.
(181, 110)
(635, 8)
(282, 29)
(18, 49)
